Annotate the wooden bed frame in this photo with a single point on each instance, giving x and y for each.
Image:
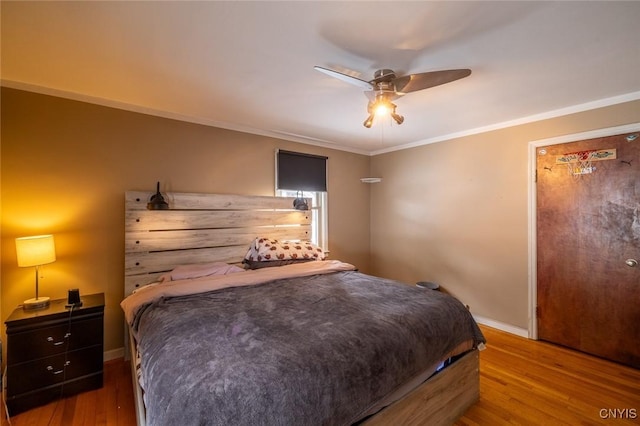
(218, 227)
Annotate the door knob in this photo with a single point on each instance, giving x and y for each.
(632, 263)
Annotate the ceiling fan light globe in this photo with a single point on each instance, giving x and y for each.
(382, 110)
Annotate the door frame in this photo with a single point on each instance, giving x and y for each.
(532, 207)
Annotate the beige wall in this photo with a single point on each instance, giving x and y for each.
(65, 167)
(456, 212)
(452, 212)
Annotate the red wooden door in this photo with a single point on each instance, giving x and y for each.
(588, 240)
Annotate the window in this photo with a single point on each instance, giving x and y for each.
(297, 172)
(318, 214)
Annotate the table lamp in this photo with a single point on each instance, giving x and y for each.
(35, 251)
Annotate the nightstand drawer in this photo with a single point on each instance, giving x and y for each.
(43, 372)
(44, 342)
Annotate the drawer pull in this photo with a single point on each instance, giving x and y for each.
(50, 368)
(50, 339)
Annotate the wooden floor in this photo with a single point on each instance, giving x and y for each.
(531, 382)
(110, 405)
(521, 382)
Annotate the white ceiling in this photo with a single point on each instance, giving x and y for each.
(249, 65)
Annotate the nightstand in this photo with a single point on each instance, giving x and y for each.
(54, 352)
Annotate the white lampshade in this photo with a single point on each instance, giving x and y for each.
(35, 251)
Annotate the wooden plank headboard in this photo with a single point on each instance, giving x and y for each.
(200, 228)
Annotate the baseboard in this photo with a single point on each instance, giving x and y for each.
(518, 331)
(113, 354)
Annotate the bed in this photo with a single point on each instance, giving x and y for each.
(314, 342)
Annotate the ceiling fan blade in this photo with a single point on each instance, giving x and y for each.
(345, 77)
(415, 82)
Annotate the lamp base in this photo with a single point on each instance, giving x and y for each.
(34, 304)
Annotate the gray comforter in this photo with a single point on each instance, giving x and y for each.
(317, 350)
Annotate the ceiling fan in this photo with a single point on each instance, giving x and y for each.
(387, 87)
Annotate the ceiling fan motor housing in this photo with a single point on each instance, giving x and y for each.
(384, 75)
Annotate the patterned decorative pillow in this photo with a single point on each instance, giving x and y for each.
(265, 250)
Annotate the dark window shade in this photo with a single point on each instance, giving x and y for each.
(301, 172)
